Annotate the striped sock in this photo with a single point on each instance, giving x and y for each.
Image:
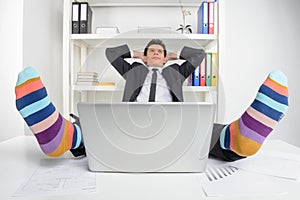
(54, 133)
(246, 135)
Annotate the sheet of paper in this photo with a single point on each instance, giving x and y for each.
(278, 164)
(222, 180)
(59, 177)
(244, 184)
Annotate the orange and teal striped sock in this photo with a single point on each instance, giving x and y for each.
(54, 133)
(246, 135)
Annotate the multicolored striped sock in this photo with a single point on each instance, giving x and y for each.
(54, 133)
(246, 135)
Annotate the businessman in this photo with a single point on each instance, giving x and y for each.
(138, 76)
(153, 81)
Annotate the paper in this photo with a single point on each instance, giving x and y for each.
(59, 177)
(244, 184)
(278, 164)
(222, 180)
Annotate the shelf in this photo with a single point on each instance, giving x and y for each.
(199, 88)
(92, 88)
(94, 40)
(144, 36)
(145, 3)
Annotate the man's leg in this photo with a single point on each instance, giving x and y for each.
(216, 150)
(54, 133)
(245, 136)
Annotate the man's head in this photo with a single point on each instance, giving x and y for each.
(155, 53)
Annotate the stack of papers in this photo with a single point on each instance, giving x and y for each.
(276, 164)
(268, 173)
(87, 78)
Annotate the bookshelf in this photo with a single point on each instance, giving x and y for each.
(86, 51)
(143, 3)
(92, 40)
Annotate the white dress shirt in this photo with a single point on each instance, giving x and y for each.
(162, 94)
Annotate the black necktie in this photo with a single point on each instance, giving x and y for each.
(153, 86)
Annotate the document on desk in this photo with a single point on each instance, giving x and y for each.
(272, 163)
(59, 177)
(223, 180)
(245, 184)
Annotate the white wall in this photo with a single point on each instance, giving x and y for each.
(259, 36)
(10, 64)
(31, 34)
(42, 26)
(42, 44)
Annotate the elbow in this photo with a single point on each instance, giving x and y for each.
(109, 52)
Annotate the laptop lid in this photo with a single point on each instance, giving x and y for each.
(147, 137)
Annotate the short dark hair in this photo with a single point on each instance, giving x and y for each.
(158, 42)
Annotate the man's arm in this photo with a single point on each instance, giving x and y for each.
(193, 58)
(116, 56)
(140, 55)
(172, 56)
(137, 54)
(192, 55)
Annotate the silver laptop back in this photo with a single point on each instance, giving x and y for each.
(147, 137)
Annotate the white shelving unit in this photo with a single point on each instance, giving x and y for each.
(144, 3)
(93, 40)
(84, 44)
(81, 88)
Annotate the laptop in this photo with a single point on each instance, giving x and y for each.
(147, 137)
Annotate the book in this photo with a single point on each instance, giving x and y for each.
(211, 17)
(216, 18)
(85, 18)
(208, 69)
(196, 77)
(214, 68)
(202, 23)
(106, 84)
(87, 83)
(154, 29)
(107, 30)
(87, 73)
(189, 81)
(75, 17)
(202, 72)
(87, 78)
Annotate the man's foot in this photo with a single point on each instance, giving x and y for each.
(80, 150)
(246, 135)
(54, 133)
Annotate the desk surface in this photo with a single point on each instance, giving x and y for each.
(21, 156)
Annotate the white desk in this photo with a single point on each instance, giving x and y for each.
(21, 156)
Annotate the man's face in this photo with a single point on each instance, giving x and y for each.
(155, 56)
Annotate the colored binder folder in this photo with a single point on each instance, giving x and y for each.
(216, 18)
(214, 68)
(203, 18)
(202, 72)
(196, 78)
(208, 69)
(211, 15)
(75, 17)
(189, 80)
(85, 18)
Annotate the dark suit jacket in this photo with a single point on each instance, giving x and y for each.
(135, 73)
